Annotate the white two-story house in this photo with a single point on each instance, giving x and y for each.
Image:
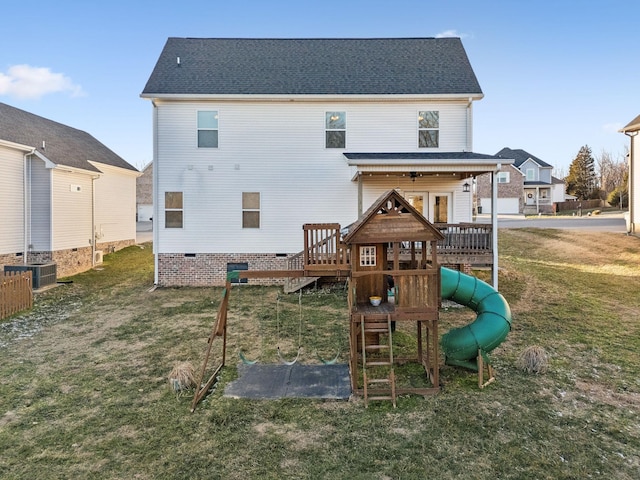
(525, 186)
(255, 137)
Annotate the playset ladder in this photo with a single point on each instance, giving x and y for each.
(378, 390)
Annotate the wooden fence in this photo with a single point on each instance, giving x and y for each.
(576, 204)
(16, 293)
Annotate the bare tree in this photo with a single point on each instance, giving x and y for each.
(611, 171)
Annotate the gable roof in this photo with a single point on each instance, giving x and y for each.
(374, 66)
(520, 156)
(413, 225)
(63, 145)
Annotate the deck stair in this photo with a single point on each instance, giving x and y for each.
(377, 359)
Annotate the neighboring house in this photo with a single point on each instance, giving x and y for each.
(144, 194)
(255, 137)
(66, 198)
(633, 219)
(526, 187)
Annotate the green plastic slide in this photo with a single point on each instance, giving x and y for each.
(486, 332)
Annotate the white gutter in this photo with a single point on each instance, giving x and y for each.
(311, 97)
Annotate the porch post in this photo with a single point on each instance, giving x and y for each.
(494, 225)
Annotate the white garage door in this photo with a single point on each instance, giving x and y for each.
(508, 205)
(145, 212)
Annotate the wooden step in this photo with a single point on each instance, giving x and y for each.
(378, 380)
(376, 330)
(376, 347)
(381, 397)
(378, 364)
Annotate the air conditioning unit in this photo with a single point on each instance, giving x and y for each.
(97, 260)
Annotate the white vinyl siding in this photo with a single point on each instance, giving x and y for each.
(40, 179)
(300, 180)
(72, 212)
(115, 200)
(12, 201)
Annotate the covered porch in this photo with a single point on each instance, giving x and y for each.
(441, 186)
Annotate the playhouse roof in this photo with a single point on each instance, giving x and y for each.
(391, 218)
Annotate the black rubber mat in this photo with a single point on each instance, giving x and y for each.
(260, 381)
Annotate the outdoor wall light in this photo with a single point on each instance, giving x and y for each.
(466, 188)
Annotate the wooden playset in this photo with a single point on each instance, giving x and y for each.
(389, 260)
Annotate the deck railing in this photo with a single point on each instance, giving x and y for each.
(323, 246)
(461, 238)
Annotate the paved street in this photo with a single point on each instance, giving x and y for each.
(605, 222)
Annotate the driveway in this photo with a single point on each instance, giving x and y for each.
(144, 232)
(605, 222)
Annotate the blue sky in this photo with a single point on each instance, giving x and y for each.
(556, 75)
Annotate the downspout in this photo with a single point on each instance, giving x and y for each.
(494, 225)
(155, 220)
(26, 207)
(469, 126)
(359, 195)
(93, 220)
(630, 183)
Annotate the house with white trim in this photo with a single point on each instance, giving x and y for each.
(255, 137)
(66, 198)
(525, 186)
(633, 216)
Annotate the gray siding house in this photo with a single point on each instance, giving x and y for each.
(66, 198)
(526, 186)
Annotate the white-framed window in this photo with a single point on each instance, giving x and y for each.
(207, 129)
(335, 129)
(428, 129)
(173, 210)
(368, 256)
(531, 174)
(503, 177)
(250, 209)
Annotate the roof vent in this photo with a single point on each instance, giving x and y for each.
(178, 60)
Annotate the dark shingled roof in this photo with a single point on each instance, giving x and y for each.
(520, 156)
(63, 145)
(382, 66)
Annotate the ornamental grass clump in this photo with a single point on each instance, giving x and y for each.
(533, 359)
(182, 377)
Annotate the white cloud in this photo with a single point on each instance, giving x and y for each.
(25, 81)
(451, 33)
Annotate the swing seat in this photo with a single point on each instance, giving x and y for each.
(328, 362)
(282, 360)
(245, 360)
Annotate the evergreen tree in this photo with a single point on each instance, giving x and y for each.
(582, 179)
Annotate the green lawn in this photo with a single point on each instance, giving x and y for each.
(84, 390)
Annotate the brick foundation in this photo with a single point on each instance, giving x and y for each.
(210, 269)
(68, 262)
